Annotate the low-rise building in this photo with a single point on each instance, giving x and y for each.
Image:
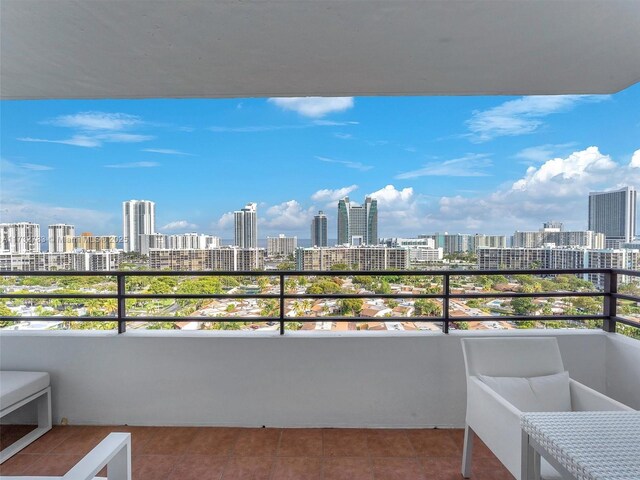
(365, 257)
(221, 258)
(281, 246)
(101, 261)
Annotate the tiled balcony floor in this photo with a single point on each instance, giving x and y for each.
(186, 453)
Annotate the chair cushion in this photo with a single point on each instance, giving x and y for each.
(549, 393)
(16, 386)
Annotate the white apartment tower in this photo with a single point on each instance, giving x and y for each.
(246, 226)
(614, 214)
(138, 218)
(21, 237)
(58, 235)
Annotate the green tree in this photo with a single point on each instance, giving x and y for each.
(323, 286)
(523, 306)
(426, 307)
(350, 306)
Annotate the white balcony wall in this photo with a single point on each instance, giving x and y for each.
(623, 370)
(369, 380)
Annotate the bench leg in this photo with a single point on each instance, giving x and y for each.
(467, 451)
(119, 467)
(43, 404)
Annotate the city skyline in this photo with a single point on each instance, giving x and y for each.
(457, 164)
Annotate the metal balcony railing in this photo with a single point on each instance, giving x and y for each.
(608, 293)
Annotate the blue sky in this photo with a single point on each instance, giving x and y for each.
(456, 164)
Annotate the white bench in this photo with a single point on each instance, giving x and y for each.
(114, 452)
(18, 389)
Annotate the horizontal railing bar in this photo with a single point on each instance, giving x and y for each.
(287, 319)
(627, 322)
(147, 318)
(524, 318)
(59, 295)
(299, 273)
(312, 295)
(529, 295)
(211, 296)
(625, 271)
(542, 318)
(622, 296)
(292, 296)
(59, 319)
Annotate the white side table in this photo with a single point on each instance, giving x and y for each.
(582, 445)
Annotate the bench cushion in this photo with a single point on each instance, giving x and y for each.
(16, 386)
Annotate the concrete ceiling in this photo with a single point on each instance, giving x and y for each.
(244, 48)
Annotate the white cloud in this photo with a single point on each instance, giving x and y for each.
(93, 129)
(471, 165)
(35, 167)
(635, 159)
(390, 196)
(96, 121)
(76, 141)
(522, 116)
(557, 189)
(314, 107)
(541, 153)
(96, 221)
(399, 211)
(287, 216)
(93, 141)
(355, 165)
(165, 151)
(134, 165)
(566, 175)
(225, 221)
(327, 195)
(179, 225)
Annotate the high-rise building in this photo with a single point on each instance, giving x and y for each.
(614, 214)
(246, 226)
(138, 218)
(358, 224)
(319, 230)
(281, 246)
(58, 234)
(21, 237)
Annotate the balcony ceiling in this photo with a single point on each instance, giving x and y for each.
(224, 48)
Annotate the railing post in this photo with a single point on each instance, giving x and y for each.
(281, 309)
(122, 304)
(609, 307)
(445, 303)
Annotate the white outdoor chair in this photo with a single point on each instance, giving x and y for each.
(18, 389)
(114, 452)
(497, 421)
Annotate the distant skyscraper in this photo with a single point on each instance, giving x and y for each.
(614, 214)
(138, 218)
(58, 235)
(246, 226)
(319, 230)
(358, 224)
